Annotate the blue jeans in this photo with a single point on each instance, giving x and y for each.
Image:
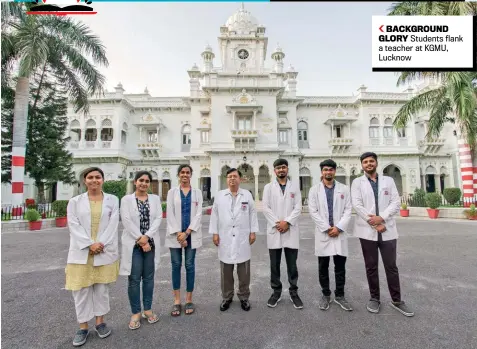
(176, 260)
(142, 268)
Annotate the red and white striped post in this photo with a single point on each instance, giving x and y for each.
(466, 171)
(18, 175)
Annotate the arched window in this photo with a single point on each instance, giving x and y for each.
(374, 128)
(107, 130)
(91, 133)
(388, 128)
(75, 131)
(303, 135)
(186, 129)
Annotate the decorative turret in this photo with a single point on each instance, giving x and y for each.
(208, 58)
(278, 57)
(195, 75)
(291, 77)
(146, 91)
(119, 91)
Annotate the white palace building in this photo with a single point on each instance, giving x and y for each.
(241, 113)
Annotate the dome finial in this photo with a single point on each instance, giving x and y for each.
(242, 6)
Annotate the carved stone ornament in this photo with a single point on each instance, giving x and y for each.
(244, 98)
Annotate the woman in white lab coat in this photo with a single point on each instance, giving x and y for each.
(92, 264)
(141, 215)
(184, 216)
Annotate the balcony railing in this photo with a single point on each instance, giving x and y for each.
(150, 150)
(340, 145)
(431, 146)
(244, 134)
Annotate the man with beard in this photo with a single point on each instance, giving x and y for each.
(330, 208)
(376, 202)
(282, 208)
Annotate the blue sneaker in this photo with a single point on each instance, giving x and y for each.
(80, 337)
(103, 330)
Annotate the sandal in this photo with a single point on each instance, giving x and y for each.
(135, 324)
(176, 310)
(152, 319)
(189, 306)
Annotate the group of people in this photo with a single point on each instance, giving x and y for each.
(94, 260)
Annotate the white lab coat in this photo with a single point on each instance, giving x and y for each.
(234, 225)
(79, 225)
(174, 217)
(131, 229)
(362, 197)
(318, 207)
(279, 206)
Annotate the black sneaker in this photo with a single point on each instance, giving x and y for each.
(274, 299)
(225, 304)
(297, 303)
(324, 302)
(343, 303)
(245, 304)
(373, 305)
(102, 330)
(402, 308)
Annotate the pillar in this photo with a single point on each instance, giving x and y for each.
(130, 187)
(437, 180)
(466, 171)
(98, 137)
(255, 176)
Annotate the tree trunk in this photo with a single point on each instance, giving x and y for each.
(20, 119)
(41, 192)
(466, 171)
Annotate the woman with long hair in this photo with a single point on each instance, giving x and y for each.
(92, 264)
(184, 215)
(141, 216)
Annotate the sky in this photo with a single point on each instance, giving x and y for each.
(154, 44)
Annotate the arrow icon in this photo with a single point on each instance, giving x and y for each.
(381, 28)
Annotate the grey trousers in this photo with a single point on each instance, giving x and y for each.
(227, 280)
(91, 301)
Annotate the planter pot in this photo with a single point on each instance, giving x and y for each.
(17, 211)
(61, 222)
(164, 214)
(433, 213)
(35, 225)
(208, 211)
(404, 213)
(472, 218)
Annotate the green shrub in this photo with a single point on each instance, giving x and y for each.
(433, 200)
(418, 199)
(452, 195)
(164, 206)
(32, 215)
(118, 188)
(403, 206)
(59, 206)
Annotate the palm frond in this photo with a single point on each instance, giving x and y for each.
(438, 115)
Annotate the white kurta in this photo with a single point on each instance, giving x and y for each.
(362, 196)
(79, 225)
(130, 219)
(278, 206)
(234, 225)
(174, 218)
(318, 207)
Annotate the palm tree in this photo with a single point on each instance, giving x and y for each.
(32, 43)
(455, 97)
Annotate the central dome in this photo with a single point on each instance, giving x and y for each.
(242, 22)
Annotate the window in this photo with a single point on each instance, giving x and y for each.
(401, 132)
(388, 132)
(244, 123)
(204, 136)
(303, 135)
(283, 137)
(374, 128)
(338, 132)
(152, 136)
(186, 141)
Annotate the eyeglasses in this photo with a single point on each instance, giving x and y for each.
(284, 167)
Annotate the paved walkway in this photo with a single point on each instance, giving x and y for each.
(437, 261)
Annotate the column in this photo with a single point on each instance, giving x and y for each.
(348, 181)
(437, 180)
(254, 118)
(255, 173)
(423, 181)
(98, 137)
(130, 187)
(233, 120)
(157, 133)
(160, 188)
(82, 139)
(332, 125)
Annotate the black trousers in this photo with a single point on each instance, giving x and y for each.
(340, 274)
(291, 255)
(371, 251)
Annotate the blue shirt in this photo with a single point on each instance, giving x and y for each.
(374, 185)
(185, 213)
(330, 192)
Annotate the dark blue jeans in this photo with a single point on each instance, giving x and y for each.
(142, 268)
(176, 260)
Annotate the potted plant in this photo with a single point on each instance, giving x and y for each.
(34, 219)
(208, 211)
(404, 210)
(59, 206)
(433, 201)
(164, 209)
(471, 213)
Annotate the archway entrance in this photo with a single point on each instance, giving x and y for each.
(248, 179)
(263, 179)
(395, 173)
(430, 179)
(305, 183)
(205, 183)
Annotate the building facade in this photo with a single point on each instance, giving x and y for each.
(240, 113)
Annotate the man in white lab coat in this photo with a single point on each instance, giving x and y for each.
(329, 203)
(282, 208)
(376, 202)
(234, 225)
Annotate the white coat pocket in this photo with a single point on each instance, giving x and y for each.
(324, 237)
